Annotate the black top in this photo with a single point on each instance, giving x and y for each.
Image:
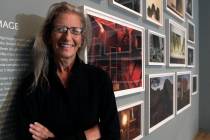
(68, 112)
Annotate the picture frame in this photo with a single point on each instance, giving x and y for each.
(131, 121)
(177, 45)
(154, 11)
(156, 48)
(131, 6)
(118, 48)
(190, 32)
(195, 84)
(189, 8)
(183, 91)
(176, 8)
(190, 56)
(161, 99)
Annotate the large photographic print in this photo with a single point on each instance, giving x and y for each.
(177, 8)
(156, 48)
(133, 6)
(177, 44)
(161, 99)
(154, 11)
(183, 91)
(131, 121)
(117, 48)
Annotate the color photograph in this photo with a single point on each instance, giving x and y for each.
(177, 8)
(183, 91)
(131, 121)
(154, 11)
(161, 99)
(117, 47)
(156, 48)
(177, 45)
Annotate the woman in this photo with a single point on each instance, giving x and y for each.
(64, 98)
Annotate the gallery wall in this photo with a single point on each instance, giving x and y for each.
(20, 24)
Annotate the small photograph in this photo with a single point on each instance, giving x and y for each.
(189, 8)
(191, 31)
(161, 99)
(183, 91)
(133, 6)
(117, 47)
(190, 60)
(154, 11)
(177, 44)
(156, 48)
(131, 121)
(194, 84)
(177, 8)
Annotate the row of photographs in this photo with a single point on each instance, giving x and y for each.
(165, 96)
(154, 8)
(117, 47)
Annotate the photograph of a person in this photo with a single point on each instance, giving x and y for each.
(189, 8)
(154, 11)
(191, 32)
(117, 47)
(131, 121)
(176, 7)
(194, 84)
(177, 44)
(60, 97)
(190, 58)
(132, 6)
(183, 91)
(161, 99)
(156, 48)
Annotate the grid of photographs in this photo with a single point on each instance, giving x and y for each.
(131, 121)
(161, 99)
(117, 48)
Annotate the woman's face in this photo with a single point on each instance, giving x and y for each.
(66, 36)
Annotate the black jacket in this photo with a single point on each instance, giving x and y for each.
(68, 112)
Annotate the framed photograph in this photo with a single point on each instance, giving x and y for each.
(161, 99)
(177, 8)
(131, 121)
(154, 11)
(191, 56)
(190, 32)
(177, 45)
(156, 48)
(132, 6)
(183, 91)
(189, 8)
(118, 48)
(194, 84)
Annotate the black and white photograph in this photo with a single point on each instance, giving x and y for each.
(177, 45)
(191, 55)
(183, 91)
(191, 31)
(194, 84)
(156, 48)
(189, 8)
(154, 11)
(132, 6)
(161, 99)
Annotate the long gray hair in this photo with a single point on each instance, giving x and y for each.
(42, 50)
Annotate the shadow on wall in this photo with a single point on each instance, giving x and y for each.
(29, 26)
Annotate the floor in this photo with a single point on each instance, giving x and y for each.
(202, 136)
